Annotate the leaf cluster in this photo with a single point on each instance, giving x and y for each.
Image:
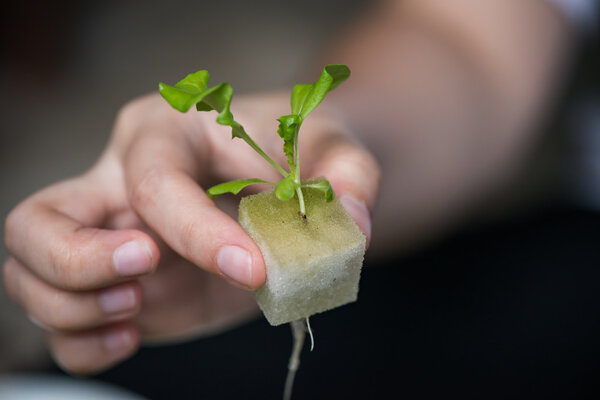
(193, 90)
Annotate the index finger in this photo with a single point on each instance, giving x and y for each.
(159, 170)
(70, 253)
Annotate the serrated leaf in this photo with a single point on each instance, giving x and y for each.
(323, 186)
(288, 125)
(233, 186)
(192, 90)
(285, 188)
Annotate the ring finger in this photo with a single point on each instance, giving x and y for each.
(94, 350)
(61, 310)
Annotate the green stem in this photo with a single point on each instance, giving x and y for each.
(297, 173)
(242, 134)
(297, 148)
(301, 200)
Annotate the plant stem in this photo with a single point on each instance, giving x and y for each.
(301, 200)
(297, 173)
(242, 134)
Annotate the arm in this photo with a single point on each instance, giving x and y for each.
(447, 96)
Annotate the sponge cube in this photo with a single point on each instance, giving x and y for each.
(313, 264)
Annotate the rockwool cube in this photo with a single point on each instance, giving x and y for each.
(313, 264)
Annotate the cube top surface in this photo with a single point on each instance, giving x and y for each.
(293, 240)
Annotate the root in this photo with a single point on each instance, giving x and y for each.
(312, 339)
(299, 329)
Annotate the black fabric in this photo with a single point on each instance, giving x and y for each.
(509, 311)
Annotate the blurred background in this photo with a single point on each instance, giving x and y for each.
(67, 67)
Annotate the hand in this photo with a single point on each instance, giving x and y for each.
(110, 258)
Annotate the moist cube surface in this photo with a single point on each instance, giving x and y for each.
(313, 264)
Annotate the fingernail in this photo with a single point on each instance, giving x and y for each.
(118, 341)
(359, 213)
(132, 258)
(117, 300)
(236, 264)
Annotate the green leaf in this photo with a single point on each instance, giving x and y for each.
(285, 188)
(219, 98)
(323, 186)
(288, 125)
(305, 98)
(192, 90)
(186, 92)
(299, 94)
(233, 187)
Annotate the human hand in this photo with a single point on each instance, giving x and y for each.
(110, 258)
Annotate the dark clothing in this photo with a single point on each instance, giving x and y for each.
(509, 311)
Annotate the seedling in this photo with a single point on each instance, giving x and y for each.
(297, 285)
(192, 90)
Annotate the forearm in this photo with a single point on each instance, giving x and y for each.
(446, 94)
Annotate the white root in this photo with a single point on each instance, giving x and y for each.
(299, 329)
(312, 339)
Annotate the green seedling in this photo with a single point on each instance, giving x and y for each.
(193, 90)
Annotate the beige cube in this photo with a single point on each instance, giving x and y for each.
(313, 264)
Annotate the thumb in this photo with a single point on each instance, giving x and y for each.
(354, 175)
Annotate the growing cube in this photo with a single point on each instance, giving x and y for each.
(313, 264)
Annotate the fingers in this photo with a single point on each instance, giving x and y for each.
(163, 193)
(60, 310)
(96, 350)
(68, 255)
(354, 175)
(84, 331)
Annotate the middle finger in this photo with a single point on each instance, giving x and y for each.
(63, 310)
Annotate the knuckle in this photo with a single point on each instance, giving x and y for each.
(190, 230)
(143, 191)
(129, 114)
(129, 120)
(66, 264)
(59, 313)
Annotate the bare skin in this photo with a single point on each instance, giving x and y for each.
(134, 250)
(443, 95)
